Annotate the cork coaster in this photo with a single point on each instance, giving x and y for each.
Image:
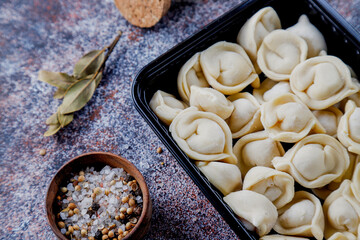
(143, 13)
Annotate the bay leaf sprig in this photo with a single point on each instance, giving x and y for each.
(76, 89)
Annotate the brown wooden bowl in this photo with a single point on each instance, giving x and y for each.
(98, 160)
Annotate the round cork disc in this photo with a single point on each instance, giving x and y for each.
(143, 13)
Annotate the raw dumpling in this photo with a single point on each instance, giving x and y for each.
(280, 52)
(211, 100)
(349, 128)
(246, 116)
(329, 118)
(342, 236)
(315, 161)
(325, 191)
(322, 81)
(254, 210)
(190, 74)
(277, 186)
(247, 151)
(254, 31)
(203, 136)
(303, 216)
(270, 89)
(228, 68)
(356, 179)
(281, 237)
(355, 97)
(287, 119)
(166, 106)
(342, 211)
(225, 177)
(313, 37)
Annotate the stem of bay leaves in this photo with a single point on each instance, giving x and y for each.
(77, 89)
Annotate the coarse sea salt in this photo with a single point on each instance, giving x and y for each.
(101, 210)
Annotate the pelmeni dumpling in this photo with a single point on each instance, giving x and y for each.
(315, 161)
(342, 236)
(277, 186)
(228, 68)
(166, 106)
(355, 97)
(356, 179)
(329, 118)
(255, 210)
(254, 31)
(325, 191)
(190, 74)
(303, 216)
(211, 100)
(270, 89)
(349, 128)
(225, 177)
(342, 211)
(287, 119)
(280, 52)
(313, 37)
(322, 81)
(247, 150)
(281, 237)
(246, 115)
(203, 136)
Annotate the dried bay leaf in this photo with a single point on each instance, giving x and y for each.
(64, 119)
(78, 89)
(77, 96)
(60, 93)
(52, 120)
(56, 79)
(52, 129)
(89, 64)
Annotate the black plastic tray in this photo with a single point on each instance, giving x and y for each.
(342, 40)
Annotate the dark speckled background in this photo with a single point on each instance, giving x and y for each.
(52, 35)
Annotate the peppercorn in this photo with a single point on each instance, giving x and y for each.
(120, 231)
(81, 178)
(76, 227)
(159, 150)
(129, 210)
(83, 232)
(125, 199)
(111, 234)
(42, 152)
(77, 188)
(105, 237)
(132, 202)
(72, 205)
(128, 225)
(125, 233)
(107, 192)
(122, 209)
(112, 182)
(71, 229)
(71, 213)
(117, 217)
(64, 189)
(81, 173)
(76, 211)
(105, 231)
(61, 224)
(95, 206)
(97, 190)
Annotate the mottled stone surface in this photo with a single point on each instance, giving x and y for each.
(52, 35)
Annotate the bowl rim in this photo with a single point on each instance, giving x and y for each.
(145, 192)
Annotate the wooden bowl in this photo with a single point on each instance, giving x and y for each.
(98, 160)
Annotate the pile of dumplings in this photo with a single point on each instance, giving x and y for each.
(309, 100)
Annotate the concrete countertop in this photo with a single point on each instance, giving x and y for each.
(52, 35)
